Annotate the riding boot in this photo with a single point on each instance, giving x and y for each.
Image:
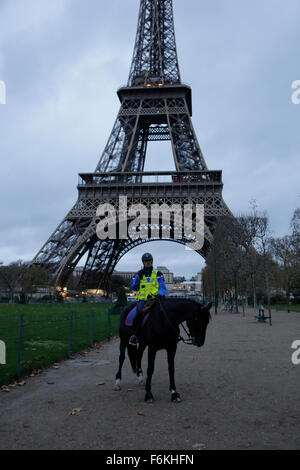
(134, 339)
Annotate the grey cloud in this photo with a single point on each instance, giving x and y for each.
(63, 62)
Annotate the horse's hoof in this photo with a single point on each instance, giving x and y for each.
(141, 380)
(175, 397)
(117, 385)
(149, 398)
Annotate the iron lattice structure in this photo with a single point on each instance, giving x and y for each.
(155, 106)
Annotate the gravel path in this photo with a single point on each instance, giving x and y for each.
(240, 391)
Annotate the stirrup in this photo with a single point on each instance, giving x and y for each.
(133, 340)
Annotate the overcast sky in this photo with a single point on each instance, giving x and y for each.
(62, 62)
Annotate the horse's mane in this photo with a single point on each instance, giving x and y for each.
(183, 298)
(194, 302)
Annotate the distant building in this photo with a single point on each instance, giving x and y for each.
(172, 283)
(38, 292)
(178, 279)
(169, 277)
(78, 271)
(125, 275)
(192, 286)
(42, 291)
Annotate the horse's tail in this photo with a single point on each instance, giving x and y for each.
(132, 354)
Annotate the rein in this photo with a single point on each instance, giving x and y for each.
(189, 340)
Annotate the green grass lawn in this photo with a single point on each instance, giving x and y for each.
(46, 330)
(293, 308)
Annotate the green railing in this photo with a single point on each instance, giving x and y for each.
(36, 336)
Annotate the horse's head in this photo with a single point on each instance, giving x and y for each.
(197, 324)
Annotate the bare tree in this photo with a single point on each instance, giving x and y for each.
(286, 250)
(11, 276)
(248, 229)
(248, 259)
(263, 246)
(295, 245)
(20, 276)
(228, 256)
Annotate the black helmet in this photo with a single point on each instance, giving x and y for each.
(147, 257)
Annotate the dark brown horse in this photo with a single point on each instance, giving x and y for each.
(161, 331)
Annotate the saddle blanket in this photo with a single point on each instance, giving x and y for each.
(131, 317)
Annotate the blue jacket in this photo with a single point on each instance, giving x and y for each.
(135, 283)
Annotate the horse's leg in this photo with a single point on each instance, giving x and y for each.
(139, 371)
(171, 351)
(121, 362)
(151, 360)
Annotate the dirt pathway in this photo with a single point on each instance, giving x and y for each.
(240, 391)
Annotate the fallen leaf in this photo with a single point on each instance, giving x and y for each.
(22, 383)
(50, 383)
(74, 411)
(55, 367)
(141, 413)
(199, 446)
(100, 383)
(4, 388)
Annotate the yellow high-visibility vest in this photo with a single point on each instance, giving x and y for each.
(150, 287)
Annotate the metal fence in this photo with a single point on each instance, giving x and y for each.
(33, 341)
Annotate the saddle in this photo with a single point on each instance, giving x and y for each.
(131, 312)
(149, 305)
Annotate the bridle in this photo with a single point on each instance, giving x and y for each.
(189, 340)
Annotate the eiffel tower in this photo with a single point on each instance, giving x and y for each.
(155, 106)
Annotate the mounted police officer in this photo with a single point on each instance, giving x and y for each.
(149, 284)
